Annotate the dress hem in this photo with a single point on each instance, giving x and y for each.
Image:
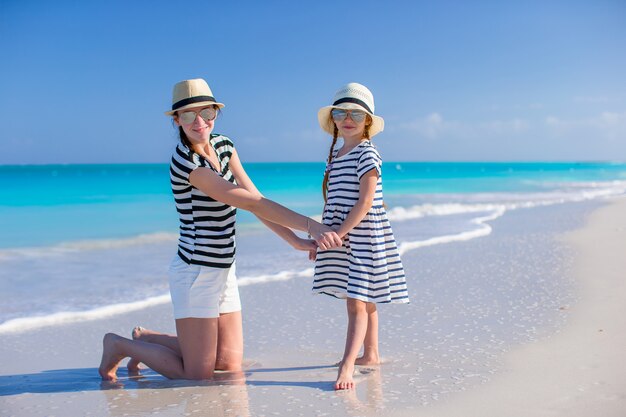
(343, 295)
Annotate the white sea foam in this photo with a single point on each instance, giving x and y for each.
(24, 324)
(483, 229)
(512, 201)
(88, 245)
(20, 325)
(398, 214)
(280, 276)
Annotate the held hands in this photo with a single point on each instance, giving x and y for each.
(324, 236)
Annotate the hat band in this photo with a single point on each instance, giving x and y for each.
(192, 100)
(355, 101)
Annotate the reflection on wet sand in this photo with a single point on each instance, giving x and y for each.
(242, 394)
(227, 395)
(367, 399)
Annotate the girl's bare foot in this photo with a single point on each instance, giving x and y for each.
(110, 357)
(368, 360)
(344, 376)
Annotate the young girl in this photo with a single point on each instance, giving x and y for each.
(367, 269)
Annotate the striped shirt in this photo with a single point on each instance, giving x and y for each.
(207, 226)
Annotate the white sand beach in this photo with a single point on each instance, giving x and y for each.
(528, 321)
(578, 371)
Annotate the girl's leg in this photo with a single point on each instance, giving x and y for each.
(229, 342)
(370, 344)
(198, 344)
(357, 328)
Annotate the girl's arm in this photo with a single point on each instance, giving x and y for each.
(367, 190)
(244, 180)
(210, 183)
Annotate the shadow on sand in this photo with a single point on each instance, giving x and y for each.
(88, 379)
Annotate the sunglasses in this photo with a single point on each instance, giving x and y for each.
(340, 115)
(188, 117)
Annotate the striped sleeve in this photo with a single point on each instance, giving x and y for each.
(369, 159)
(182, 165)
(224, 147)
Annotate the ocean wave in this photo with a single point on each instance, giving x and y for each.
(483, 229)
(280, 276)
(23, 324)
(511, 201)
(493, 211)
(89, 245)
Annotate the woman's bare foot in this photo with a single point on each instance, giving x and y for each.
(138, 333)
(141, 333)
(111, 358)
(368, 360)
(344, 376)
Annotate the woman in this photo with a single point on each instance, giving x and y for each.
(208, 182)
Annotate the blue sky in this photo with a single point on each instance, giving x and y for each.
(88, 81)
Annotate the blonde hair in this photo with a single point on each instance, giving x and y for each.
(366, 136)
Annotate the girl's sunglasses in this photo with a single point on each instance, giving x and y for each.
(188, 117)
(340, 115)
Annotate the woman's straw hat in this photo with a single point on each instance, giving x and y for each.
(192, 93)
(352, 96)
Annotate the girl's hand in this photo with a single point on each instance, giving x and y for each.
(304, 244)
(324, 236)
(308, 245)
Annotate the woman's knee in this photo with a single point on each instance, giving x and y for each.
(199, 374)
(229, 364)
(229, 357)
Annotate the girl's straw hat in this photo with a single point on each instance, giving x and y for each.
(352, 96)
(192, 93)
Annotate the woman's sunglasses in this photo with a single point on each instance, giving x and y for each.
(340, 115)
(188, 117)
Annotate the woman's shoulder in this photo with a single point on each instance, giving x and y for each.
(220, 139)
(223, 145)
(183, 159)
(182, 151)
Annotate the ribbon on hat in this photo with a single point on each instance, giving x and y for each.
(192, 100)
(355, 101)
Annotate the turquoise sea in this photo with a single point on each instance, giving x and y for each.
(69, 228)
(48, 204)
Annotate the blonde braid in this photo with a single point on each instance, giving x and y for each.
(368, 124)
(330, 160)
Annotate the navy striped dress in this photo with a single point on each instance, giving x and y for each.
(368, 266)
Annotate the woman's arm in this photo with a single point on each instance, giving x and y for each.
(367, 190)
(287, 234)
(210, 183)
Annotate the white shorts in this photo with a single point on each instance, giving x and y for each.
(202, 292)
